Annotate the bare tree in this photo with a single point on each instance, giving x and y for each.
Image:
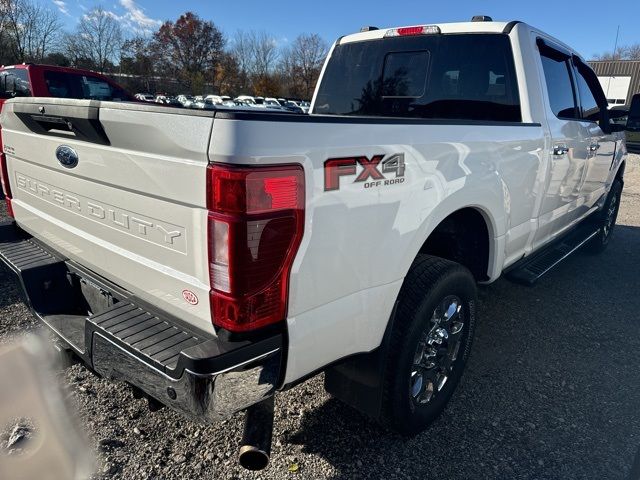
(302, 63)
(4, 7)
(241, 52)
(264, 50)
(257, 56)
(47, 30)
(98, 38)
(625, 52)
(633, 51)
(6, 55)
(32, 29)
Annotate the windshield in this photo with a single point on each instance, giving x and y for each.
(68, 85)
(462, 76)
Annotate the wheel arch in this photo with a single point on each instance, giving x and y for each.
(620, 172)
(492, 229)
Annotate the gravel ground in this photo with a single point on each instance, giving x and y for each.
(552, 391)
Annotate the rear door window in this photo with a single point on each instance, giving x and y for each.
(562, 96)
(458, 76)
(590, 108)
(589, 105)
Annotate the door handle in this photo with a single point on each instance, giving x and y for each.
(559, 150)
(594, 147)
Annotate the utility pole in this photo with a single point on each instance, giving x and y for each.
(615, 49)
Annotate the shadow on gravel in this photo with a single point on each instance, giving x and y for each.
(552, 388)
(9, 288)
(344, 437)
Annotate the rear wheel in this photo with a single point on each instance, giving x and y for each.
(606, 219)
(430, 343)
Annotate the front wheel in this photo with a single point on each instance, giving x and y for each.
(430, 343)
(605, 220)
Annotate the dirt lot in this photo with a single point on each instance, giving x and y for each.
(552, 391)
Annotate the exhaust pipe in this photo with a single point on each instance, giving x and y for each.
(256, 439)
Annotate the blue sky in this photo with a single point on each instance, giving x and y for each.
(587, 25)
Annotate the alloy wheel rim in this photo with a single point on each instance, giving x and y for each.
(437, 351)
(608, 223)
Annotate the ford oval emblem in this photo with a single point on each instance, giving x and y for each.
(190, 297)
(67, 156)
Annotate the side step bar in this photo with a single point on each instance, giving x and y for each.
(528, 270)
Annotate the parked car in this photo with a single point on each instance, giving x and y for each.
(145, 97)
(292, 107)
(245, 99)
(204, 104)
(305, 106)
(31, 79)
(171, 101)
(633, 125)
(185, 100)
(216, 99)
(238, 254)
(619, 114)
(35, 80)
(272, 102)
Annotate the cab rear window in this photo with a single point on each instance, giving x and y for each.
(67, 85)
(460, 76)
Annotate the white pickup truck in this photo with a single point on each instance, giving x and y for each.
(212, 259)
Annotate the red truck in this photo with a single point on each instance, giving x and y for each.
(31, 80)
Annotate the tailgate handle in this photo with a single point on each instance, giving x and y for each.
(79, 123)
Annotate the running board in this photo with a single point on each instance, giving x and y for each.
(528, 270)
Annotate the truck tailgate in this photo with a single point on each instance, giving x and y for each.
(133, 208)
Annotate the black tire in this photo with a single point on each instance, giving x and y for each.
(605, 220)
(431, 283)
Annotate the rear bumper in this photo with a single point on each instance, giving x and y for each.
(190, 371)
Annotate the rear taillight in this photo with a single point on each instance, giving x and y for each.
(256, 222)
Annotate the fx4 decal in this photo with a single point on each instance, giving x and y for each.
(374, 172)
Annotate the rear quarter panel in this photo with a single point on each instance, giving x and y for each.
(360, 240)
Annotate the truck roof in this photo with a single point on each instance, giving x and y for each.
(35, 66)
(458, 27)
(455, 27)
